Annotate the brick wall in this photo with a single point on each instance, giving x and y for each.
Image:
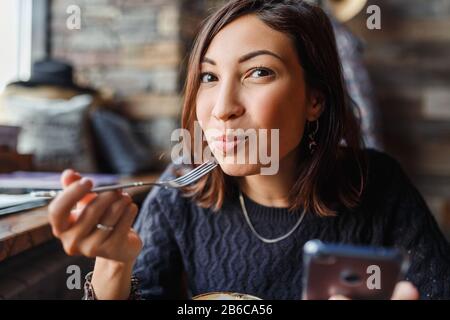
(132, 48)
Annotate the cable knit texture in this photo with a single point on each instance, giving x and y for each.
(216, 251)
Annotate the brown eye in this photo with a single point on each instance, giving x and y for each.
(261, 72)
(207, 77)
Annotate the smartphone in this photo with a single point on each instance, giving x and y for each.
(357, 272)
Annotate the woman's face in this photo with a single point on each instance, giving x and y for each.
(251, 78)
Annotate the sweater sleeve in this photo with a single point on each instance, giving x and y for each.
(159, 266)
(412, 227)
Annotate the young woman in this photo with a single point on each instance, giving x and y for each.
(257, 65)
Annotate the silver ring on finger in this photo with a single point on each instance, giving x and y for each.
(104, 227)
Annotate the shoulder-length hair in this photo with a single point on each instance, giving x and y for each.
(327, 178)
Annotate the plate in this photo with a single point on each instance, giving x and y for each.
(225, 296)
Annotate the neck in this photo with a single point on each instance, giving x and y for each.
(273, 190)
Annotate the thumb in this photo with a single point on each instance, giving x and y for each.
(405, 290)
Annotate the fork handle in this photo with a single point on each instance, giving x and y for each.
(54, 193)
(120, 186)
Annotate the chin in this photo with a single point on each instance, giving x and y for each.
(240, 170)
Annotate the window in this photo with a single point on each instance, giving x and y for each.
(22, 26)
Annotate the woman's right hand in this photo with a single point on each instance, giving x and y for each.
(77, 228)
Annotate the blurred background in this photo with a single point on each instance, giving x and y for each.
(96, 86)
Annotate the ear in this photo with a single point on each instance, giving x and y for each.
(314, 105)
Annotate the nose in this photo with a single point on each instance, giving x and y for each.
(227, 105)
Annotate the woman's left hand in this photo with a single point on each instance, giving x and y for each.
(404, 290)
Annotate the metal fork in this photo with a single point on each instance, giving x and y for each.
(176, 183)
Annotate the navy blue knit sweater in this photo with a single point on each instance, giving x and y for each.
(216, 251)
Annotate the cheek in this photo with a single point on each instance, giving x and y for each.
(279, 108)
(203, 108)
(205, 102)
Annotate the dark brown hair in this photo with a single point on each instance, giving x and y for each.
(332, 175)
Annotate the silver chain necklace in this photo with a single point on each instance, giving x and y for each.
(265, 240)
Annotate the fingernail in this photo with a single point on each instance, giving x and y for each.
(86, 182)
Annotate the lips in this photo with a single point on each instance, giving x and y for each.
(227, 143)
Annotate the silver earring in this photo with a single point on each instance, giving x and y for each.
(312, 134)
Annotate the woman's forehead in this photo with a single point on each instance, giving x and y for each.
(247, 34)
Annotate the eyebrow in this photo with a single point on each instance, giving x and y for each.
(247, 56)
